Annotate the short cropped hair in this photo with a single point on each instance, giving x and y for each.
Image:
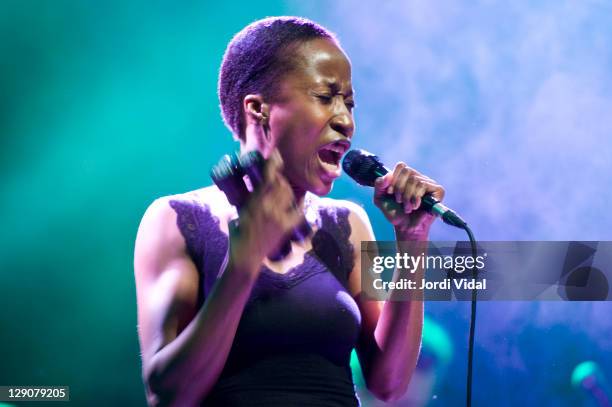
(256, 59)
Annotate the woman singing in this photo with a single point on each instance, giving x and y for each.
(222, 325)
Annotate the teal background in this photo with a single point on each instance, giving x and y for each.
(104, 107)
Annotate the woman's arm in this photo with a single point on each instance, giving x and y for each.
(183, 349)
(391, 331)
(390, 340)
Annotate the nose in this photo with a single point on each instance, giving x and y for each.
(343, 123)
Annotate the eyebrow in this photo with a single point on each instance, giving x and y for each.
(335, 88)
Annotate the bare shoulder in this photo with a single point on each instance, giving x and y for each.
(361, 229)
(214, 200)
(159, 236)
(161, 213)
(210, 196)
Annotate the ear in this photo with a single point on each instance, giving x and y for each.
(257, 113)
(256, 110)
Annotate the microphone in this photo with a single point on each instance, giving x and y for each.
(229, 174)
(364, 167)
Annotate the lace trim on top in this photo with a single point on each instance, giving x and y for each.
(331, 243)
(208, 245)
(309, 267)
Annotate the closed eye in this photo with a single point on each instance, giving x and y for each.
(327, 99)
(324, 98)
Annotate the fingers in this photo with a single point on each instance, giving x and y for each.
(275, 184)
(270, 214)
(279, 195)
(438, 192)
(403, 176)
(381, 184)
(277, 198)
(394, 175)
(408, 186)
(273, 166)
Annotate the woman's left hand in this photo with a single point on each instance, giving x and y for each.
(398, 195)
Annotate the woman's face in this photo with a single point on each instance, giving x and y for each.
(311, 119)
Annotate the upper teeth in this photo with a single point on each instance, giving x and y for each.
(335, 148)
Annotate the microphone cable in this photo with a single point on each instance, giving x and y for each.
(472, 319)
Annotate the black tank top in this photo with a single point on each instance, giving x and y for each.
(294, 340)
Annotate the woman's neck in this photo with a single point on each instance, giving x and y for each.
(299, 195)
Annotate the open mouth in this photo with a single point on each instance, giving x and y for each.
(330, 156)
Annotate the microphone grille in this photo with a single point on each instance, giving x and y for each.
(362, 166)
